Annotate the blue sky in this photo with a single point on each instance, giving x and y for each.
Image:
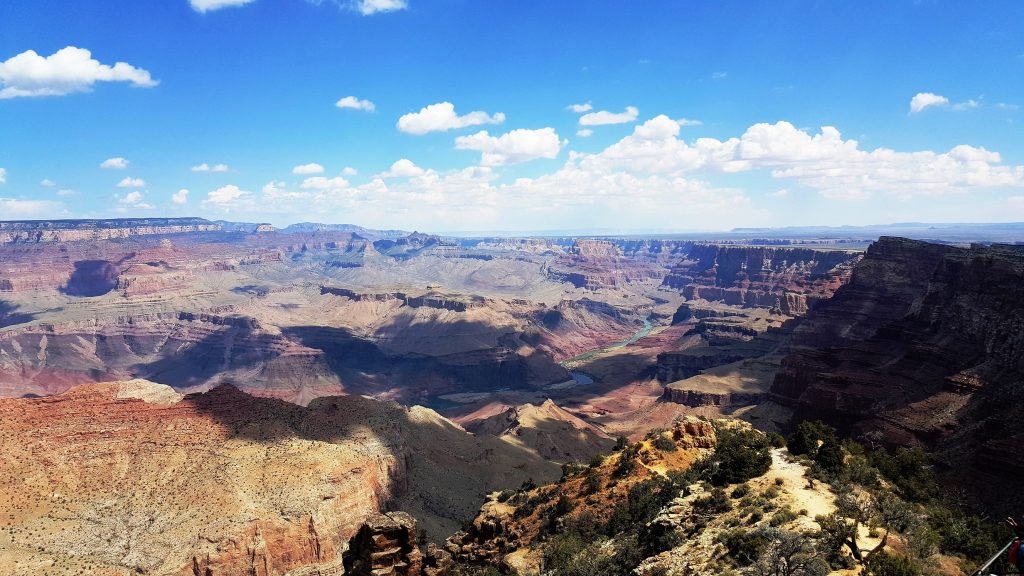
(698, 115)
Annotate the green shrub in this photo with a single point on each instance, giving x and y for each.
(664, 444)
(807, 435)
(783, 516)
(885, 564)
(715, 502)
(740, 455)
(740, 491)
(743, 546)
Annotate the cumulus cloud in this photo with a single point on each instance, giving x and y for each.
(47, 183)
(67, 192)
(403, 168)
(636, 180)
(180, 197)
(3, 175)
(131, 183)
(349, 171)
(353, 103)
(584, 132)
(210, 5)
(226, 197)
(133, 200)
(604, 117)
(689, 122)
(836, 167)
(16, 208)
(441, 117)
(512, 147)
(117, 163)
(580, 108)
(204, 167)
(370, 7)
(66, 71)
(923, 100)
(311, 168)
(322, 183)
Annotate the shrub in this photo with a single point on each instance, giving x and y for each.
(740, 491)
(807, 435)
(830, 456)
(783, 516)
(739, 456)
(715, 502)
(743, 546)
(664, 444)
(910, 471)
(885, 564)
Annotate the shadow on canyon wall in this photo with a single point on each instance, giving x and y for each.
(9, 315)
(91, 278)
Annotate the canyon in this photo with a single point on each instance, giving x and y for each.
(162, 379)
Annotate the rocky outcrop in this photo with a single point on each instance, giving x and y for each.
(698, 398)
(682, 364)
(385, 545)
(600, 264)
(787, 280)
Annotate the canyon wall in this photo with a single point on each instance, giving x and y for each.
(924, 346)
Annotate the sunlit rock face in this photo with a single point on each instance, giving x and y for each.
(132, 476)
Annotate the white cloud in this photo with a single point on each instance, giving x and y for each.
(584, 132)
(3, 175)
(66, 192)
(782, 193)
(14, 208)
(657, 128)
(117, 163)
(133, 200)
(923, 100)
(311, 168)
(322, 183)
(403, 168)
(354, 103)
(226, 197)
(47, 183)
(441, 117)
(966, 105)
(349, 171)
(604, 117)
(689, 122)
(180, 197)
(512, 147)
(210, 5)
(824, 161)
(1016, 201)
(719, 75)
(204, 167)
(66, 71)
(131, 183)
(369, 7)
(580, 108)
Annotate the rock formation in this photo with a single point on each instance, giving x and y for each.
(120, 477)
(551, 431)
(385, 545)
(923, 346)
